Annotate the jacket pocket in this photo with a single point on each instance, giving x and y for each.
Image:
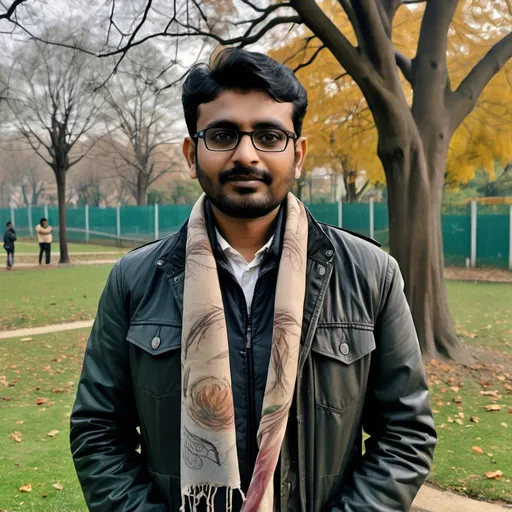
(341, 360)
(155, 358)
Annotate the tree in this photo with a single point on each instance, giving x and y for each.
(143, 121)
(54, 107)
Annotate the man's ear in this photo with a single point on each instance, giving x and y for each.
(189, 152)
(301, 149)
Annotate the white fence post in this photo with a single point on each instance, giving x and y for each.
(13, 217)
(372, 218)
(156, 222)
(340, 213)
(118, 223)
(29, 215)
(46, 213)
(510, 239)
(473, 233)
(86, 223)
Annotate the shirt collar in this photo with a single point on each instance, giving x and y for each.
(226, 247)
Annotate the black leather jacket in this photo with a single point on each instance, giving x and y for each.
(360, 368)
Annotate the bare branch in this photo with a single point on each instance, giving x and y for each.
(310, 60)
(405, 65)
(11, 10)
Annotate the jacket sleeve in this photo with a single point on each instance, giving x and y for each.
(103, 435)
(397, 414)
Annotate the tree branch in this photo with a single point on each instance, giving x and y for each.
(310, 60)
(11, 10)
(405, 65)
(465, 97)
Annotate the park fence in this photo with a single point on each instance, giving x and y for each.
(473, 234)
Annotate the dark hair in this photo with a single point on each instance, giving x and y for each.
(234, 68)
(9, 224)
(42, 220)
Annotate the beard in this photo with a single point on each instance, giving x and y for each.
(244, 203)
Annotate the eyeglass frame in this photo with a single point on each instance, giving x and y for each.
(201, 134)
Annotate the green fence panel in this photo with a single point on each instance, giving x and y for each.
(327, 213)
(381, 223)
(456, 239)
(138, 222)
(356, 217)
(172, 217)
(492, 242)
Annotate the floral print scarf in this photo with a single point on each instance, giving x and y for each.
(209, 462)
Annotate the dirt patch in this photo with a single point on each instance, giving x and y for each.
(490, 275)
(485, 364)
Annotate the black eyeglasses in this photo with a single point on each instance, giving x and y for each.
(270, 140)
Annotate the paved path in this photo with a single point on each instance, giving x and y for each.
(430, 499)
(121, 251)
(53, 265)
(34, 331)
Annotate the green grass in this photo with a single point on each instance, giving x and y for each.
(33, 247)
(456, 465)
(482, 313)
(52, 363)
(41, 362)
(41, 297)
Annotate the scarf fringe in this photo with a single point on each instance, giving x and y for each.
(191, 497)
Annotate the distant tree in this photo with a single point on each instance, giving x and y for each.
(54, 106)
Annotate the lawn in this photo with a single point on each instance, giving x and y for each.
(43, 369)
(460, 397)
(32, 298)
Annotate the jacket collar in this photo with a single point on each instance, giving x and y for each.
(320, 247)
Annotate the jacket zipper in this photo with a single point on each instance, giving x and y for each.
(251, 433)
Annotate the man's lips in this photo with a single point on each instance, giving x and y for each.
(244, 178)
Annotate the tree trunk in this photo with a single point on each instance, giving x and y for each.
(60, 176)
(142, 188)
(415, 184)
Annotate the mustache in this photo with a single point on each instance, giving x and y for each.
(238, 172)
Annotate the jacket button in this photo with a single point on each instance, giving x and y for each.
(321, 271)
(176, 279)
(329, 253)
(344, 349)
(155, 342)
(160, 263)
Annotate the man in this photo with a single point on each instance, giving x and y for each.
(44, 237)
(252, 347)
(9, 239)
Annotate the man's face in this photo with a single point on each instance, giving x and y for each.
(245, 182)
(44, 223)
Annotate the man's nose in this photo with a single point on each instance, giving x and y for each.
(245, 153)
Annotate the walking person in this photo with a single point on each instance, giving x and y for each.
(44, 237)
(246, 354)
(9, 239)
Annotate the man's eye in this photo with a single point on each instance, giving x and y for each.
(269, 136)
(222, 136)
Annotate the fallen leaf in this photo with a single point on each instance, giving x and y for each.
(449, 420)
(26, 488)
(41, 401)
(510, 410)
(457, 400)
(6, 398)
(508, 387)
(461, 415)
(504, 425)
(494, 475)
(16, 436)
(443, 425)
(26, 339)
(57, 390)
(37, 388)
(58, 486)
(493, 407)
(477, 449)
(435, 411)
(440, 404)
(45, 495)
(455, 389)
(474, 419)
(20, 422)
(53, 433)
(501, 378)
(490, 393)
(459, 421)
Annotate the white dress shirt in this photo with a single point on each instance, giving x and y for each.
(245, 273)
